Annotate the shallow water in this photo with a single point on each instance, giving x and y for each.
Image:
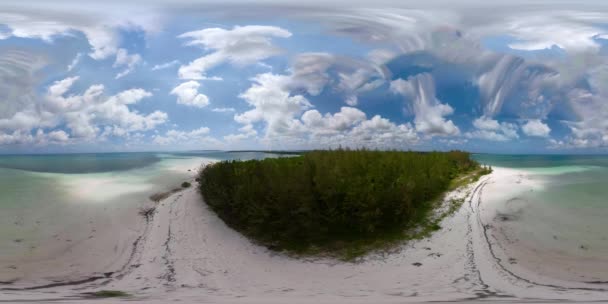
(565, 213)
(42, 196)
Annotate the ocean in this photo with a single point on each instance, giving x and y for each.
(43, 196)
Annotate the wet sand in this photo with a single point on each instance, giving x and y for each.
(185, 253)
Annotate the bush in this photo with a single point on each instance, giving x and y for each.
(108, 294)
(186, 184)
(324, 198)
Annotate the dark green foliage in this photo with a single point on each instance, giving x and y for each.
(328, 199)
(186, 184)
(108, 294)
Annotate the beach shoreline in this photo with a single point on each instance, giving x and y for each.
(186, 253)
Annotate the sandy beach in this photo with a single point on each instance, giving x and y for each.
(185, 253)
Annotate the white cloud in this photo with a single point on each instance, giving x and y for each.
(350, 127)
(535, 127)
(38, 138)
(490, 129)
(59, 136)
(129, 61)
(274, 105)
(247, 131)
(165, 65)
(88, 116)
(332, 124)
(187, 94)
(74, 62)
(100, 30)
(223, 110)
(239, 46)
(429, 111)
(177, 136)
(569, 30)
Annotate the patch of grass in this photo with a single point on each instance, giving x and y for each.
(147, 212)
(108, 294)
(340, 203)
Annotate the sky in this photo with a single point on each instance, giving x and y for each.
(483, 76)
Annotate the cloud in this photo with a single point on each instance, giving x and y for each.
(535, 127)
(59, 136)
(332, 124)
(129, 61)
(573, 31)
(429, 111)
(492, 130)
(100, 32)
(312, 73)
(88, 116)
(177, 136)
(274, 105)
(223, 110)
(247, 131)
(350, 127)
(38, 138)
(74, 62)
(240, 46)
(165, 65)
(18, 79)
(187, 94)
(289, 122)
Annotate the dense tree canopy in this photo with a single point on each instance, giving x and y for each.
(324, 197)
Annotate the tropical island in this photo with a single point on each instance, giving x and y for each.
(341, 203)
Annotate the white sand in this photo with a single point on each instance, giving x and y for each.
(186, 253)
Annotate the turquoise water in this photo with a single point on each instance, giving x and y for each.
(42, 196)
(568, 213)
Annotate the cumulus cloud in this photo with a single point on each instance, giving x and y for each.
(176, 136)
(535, 127)
(59, 136)
(332, 124)
(429, 111)
(187, 94)
(86, 116)
(274, 105)
(490, 129)
(240, 46)
(288, 121)
(245, 132)
(38, 138)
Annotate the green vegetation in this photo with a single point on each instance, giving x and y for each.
(147, 212)
(186, 185)
(342, 203)
(108, 294)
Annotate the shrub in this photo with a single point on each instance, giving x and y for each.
(324, 198)
(186, 184)
(108, 294)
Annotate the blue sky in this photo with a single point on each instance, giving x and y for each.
(382, 74)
